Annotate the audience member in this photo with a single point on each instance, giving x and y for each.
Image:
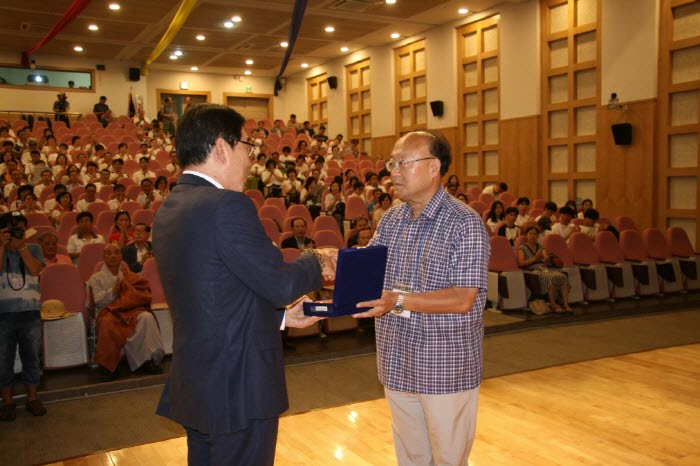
(49, 248)
(299, 240)
(384, 205)
(64, 203)
(509, 229)
(523, 204)
(161, 187)
(144, 171)
(452, 189)
(544, 227)
(30, 204)
(20, 319)
(550, 208)
(495, 216)
(100, 107)
(564, 227)
(122, 233)
(85, 235)
(118, 197)
(139, 250)
(495, 189)
(356, 224)
(364, 235)
(463, 197)
(122, 301)
(90, 197)
(586, 204)
(51, 203)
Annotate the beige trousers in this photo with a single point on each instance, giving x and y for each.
(431, 430)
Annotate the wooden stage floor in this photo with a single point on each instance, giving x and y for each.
(637, 409)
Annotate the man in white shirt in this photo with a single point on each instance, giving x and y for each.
(565, 228)
(523, 209)
(84, 236)
(46, 181)
(17, 181)
(141, 119)
(118, 197)
(104, 179)
(148, 194)
(495, 189)
(90, 197)
(550, 208)
(144, 172)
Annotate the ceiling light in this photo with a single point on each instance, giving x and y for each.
(284, 44)
(247, 72)
(344, 49)
(463, 11)
(114, 6)
(249, 62)
(93, 27)
(200, 37)
(395, 35)
(194, 68)
(228, 24)
(173, 57)
(178, 53)
(304, 65)
(236, 19)
(390, 2)
(330, 29)
(78, 48)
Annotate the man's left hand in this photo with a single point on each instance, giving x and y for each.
(295, 314)
(379, 307)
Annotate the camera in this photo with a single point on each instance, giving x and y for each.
(15, 223)
(16, 232)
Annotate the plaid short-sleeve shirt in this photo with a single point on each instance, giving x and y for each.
(445, 246)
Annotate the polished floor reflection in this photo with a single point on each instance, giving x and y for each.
(637, 409)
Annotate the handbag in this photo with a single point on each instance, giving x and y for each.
(538, 307)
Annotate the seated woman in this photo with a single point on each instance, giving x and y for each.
(122, 233)
(532, 256)
(586, 204)
(384, 205)
(64, 203)
(496, 215)
(453, 179)
(311, 196)
(161, 187)
(84, 236)
(272, 178)
(334, 203)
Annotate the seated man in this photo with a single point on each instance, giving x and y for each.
(85, 235)
(90, 197)
(364, 235)
(148, 194)
(565, 228)
(509, 229)
(358, 224)
(591, 226)
(523, 209)
(144, 172)
(495, 189)
(49, 248)
(122, 303)
(136, 252)
(118, 197)
(550, 208)
(299, 241)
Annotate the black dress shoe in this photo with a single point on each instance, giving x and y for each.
(106, 375)
(149, 367)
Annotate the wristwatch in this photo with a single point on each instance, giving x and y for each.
(398, 307)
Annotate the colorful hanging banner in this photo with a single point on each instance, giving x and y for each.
(176, 24)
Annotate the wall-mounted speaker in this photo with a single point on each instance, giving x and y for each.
(100, 67)
(333, 82)
(134, 74)
(437, 107)
(622, 133)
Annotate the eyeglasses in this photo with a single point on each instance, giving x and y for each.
(251, 146)
(401, 164)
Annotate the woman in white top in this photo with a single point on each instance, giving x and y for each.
(384, 205)
(272, 176)
(496, 215)
(64, 203)
(586, 204)
(333, 198)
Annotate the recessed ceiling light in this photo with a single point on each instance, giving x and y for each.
(93, 27)
(330, 29)
(390, 2)
(194, 68)
(247, 72)
(304, 65)
(228, 24)
(344, 49)
(78, 48)
(395, 35)
(200, 37)
(173, 57)
(114, 6)
(236, 19)
(249, 62)
(178, 53)
(463, 11)
(284, 44)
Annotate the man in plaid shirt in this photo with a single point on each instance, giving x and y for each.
(429, 319)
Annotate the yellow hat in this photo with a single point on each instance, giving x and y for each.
(53, 309)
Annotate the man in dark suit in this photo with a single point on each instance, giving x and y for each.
(136, 252)
(299, 240)
(223, 279)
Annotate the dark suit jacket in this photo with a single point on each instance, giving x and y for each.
(223, 279)
(131, 258)
(291, 242)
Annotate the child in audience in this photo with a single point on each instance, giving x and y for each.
(509, 229)
(523, 208)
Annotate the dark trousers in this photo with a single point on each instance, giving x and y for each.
(254, 446)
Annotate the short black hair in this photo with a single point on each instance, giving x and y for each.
(566, 210)
(298, 218)
(290, 170)
(503, 186)
(90, 185)
(512, 210)
(320, 158)
(199, 128)
(591, 214)
(58, 187)
(82, 215)
(549, 205)
(146, 180)
(99, 147)
(147, 159)
(383, 197)
(267, 164)
(523, 200)
(358, 185)
(545, 223)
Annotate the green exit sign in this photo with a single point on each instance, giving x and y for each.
(249, 88)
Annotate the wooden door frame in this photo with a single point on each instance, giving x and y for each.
(269, 97)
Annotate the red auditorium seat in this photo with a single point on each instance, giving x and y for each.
(506, 281)
(620, 274)
(643, 267)
(668, 267)
(593, 273)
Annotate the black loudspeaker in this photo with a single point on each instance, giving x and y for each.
(134, 74)
(333, 82)
(100, 67)
(622, 133)
(437, 107)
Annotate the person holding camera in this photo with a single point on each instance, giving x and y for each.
(20, 318)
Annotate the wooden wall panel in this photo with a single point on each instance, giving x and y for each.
(519, 163)
(625, 174)
(382, 146)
